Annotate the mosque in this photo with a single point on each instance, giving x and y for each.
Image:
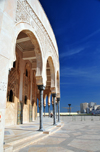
(29, 63)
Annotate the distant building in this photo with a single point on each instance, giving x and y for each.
(92, 104)
(89, 107)
(87, 110)
(96, 107)
(83, 107)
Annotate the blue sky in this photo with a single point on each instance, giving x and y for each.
(76, 25)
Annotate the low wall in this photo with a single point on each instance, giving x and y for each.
(62, 113)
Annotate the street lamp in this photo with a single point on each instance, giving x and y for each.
(69, 108)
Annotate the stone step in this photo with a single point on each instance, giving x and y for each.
(24, 136)
(18, 135)
(21, 138)
(24, 141)
(28, 142)
(7, 148)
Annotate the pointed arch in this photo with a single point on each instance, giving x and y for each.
(50, 73)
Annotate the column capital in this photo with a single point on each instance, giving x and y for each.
(41, 87)
(58, 95)
(54, 94)
(58, 99)
(53, 90)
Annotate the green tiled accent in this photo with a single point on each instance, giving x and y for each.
(20, 113)
(30, 113)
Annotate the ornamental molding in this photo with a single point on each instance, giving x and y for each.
(25, 13)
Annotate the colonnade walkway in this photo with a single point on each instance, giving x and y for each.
(20, 136)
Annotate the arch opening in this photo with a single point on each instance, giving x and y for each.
(11, 96)
(25, 100)
(50, 72)
(22, 78)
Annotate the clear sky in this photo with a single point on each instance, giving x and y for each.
(76, 25)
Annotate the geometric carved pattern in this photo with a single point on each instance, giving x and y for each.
(14, 79)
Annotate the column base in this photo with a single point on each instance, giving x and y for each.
(55, 124)
(41, 129)
(58, 122)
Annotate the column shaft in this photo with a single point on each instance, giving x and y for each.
(54, 106)
(41, 109)
(41, 88)
(56, 110)
(49, 110)
(53, 109)
(58, 99)
(44, 111)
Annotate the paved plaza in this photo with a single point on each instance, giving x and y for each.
(79, 134)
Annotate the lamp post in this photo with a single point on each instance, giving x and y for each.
(69, 107)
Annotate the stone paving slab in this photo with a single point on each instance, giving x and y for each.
(24, 128)
(74, 136)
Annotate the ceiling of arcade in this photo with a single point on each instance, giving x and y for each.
(28, 47)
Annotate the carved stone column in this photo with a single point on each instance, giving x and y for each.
(41, 88)
(58, 100)
(54, 106)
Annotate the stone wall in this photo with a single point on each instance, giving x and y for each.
(22, 86)
(10, 115)
(25, 114)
